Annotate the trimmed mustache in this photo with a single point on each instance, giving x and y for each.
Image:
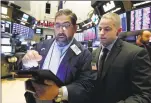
(61, 34)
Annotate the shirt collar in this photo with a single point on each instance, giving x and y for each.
(65, 47)
(109, 47)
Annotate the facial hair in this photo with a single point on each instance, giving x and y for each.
(62, 40)
(144, 42)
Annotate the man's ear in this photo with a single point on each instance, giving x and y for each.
(119, 30)
(139, 36)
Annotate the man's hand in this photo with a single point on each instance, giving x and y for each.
(46, 92)
(31, 55)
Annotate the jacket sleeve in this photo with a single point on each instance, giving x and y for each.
(140, 79)
(80, 90)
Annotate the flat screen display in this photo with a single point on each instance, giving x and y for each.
(20, 30)
(140, 19)
(25, 17)
(89, 34)
(5, 26)
(5, 41)
(123, 18)
(131, 38)
(38, 31)
(6, 49)
(49, 36)
(23, 31)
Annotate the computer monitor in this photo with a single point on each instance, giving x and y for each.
(39, 31)
(21, 30)
(5, 41)
(140, 19)
(89, 34)
(5, 26)
(131, 38)
(123, 18)
(6, 49)
(24, 43)
(49, 36)
(25, 17)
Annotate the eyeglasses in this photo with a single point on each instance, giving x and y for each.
(66, 25)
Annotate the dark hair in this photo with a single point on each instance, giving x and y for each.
(69, 13)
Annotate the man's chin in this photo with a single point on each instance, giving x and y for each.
(62, 43)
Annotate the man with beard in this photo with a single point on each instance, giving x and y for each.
(143, 40)
(67, 59)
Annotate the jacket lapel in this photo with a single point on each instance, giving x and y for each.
(44, 51)
(112, 55)
(97, 56)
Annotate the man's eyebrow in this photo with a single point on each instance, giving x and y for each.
(105, 27)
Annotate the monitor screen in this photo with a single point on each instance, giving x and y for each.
(96, 43)
(131, 38)
(49, 36)
(24, 42)
(20, 30)
(6, 49)
(2, 26)
(89, 34)
(79, 36)
(39, 31)
(25, 17)
(5, 41)
(141, 19)
(123, 21)
(5, 26)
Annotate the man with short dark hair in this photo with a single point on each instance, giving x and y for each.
(67, 59)
(143, 40)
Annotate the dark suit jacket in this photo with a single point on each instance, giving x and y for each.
(79, 78)
(126, 76)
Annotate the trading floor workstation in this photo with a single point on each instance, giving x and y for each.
(21, 31)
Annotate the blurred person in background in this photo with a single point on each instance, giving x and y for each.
(143, 40)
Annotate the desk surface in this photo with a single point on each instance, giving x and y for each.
(13, 90)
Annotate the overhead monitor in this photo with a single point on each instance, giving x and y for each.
(4, 10)
(123, 18)
(140, 19)
(25, 17)
(111, 6)
(39, 31)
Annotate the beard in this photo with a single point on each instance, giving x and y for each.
(144, 42)
(62, 40)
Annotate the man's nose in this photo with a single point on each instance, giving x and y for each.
(102, 32)
(61, 29)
